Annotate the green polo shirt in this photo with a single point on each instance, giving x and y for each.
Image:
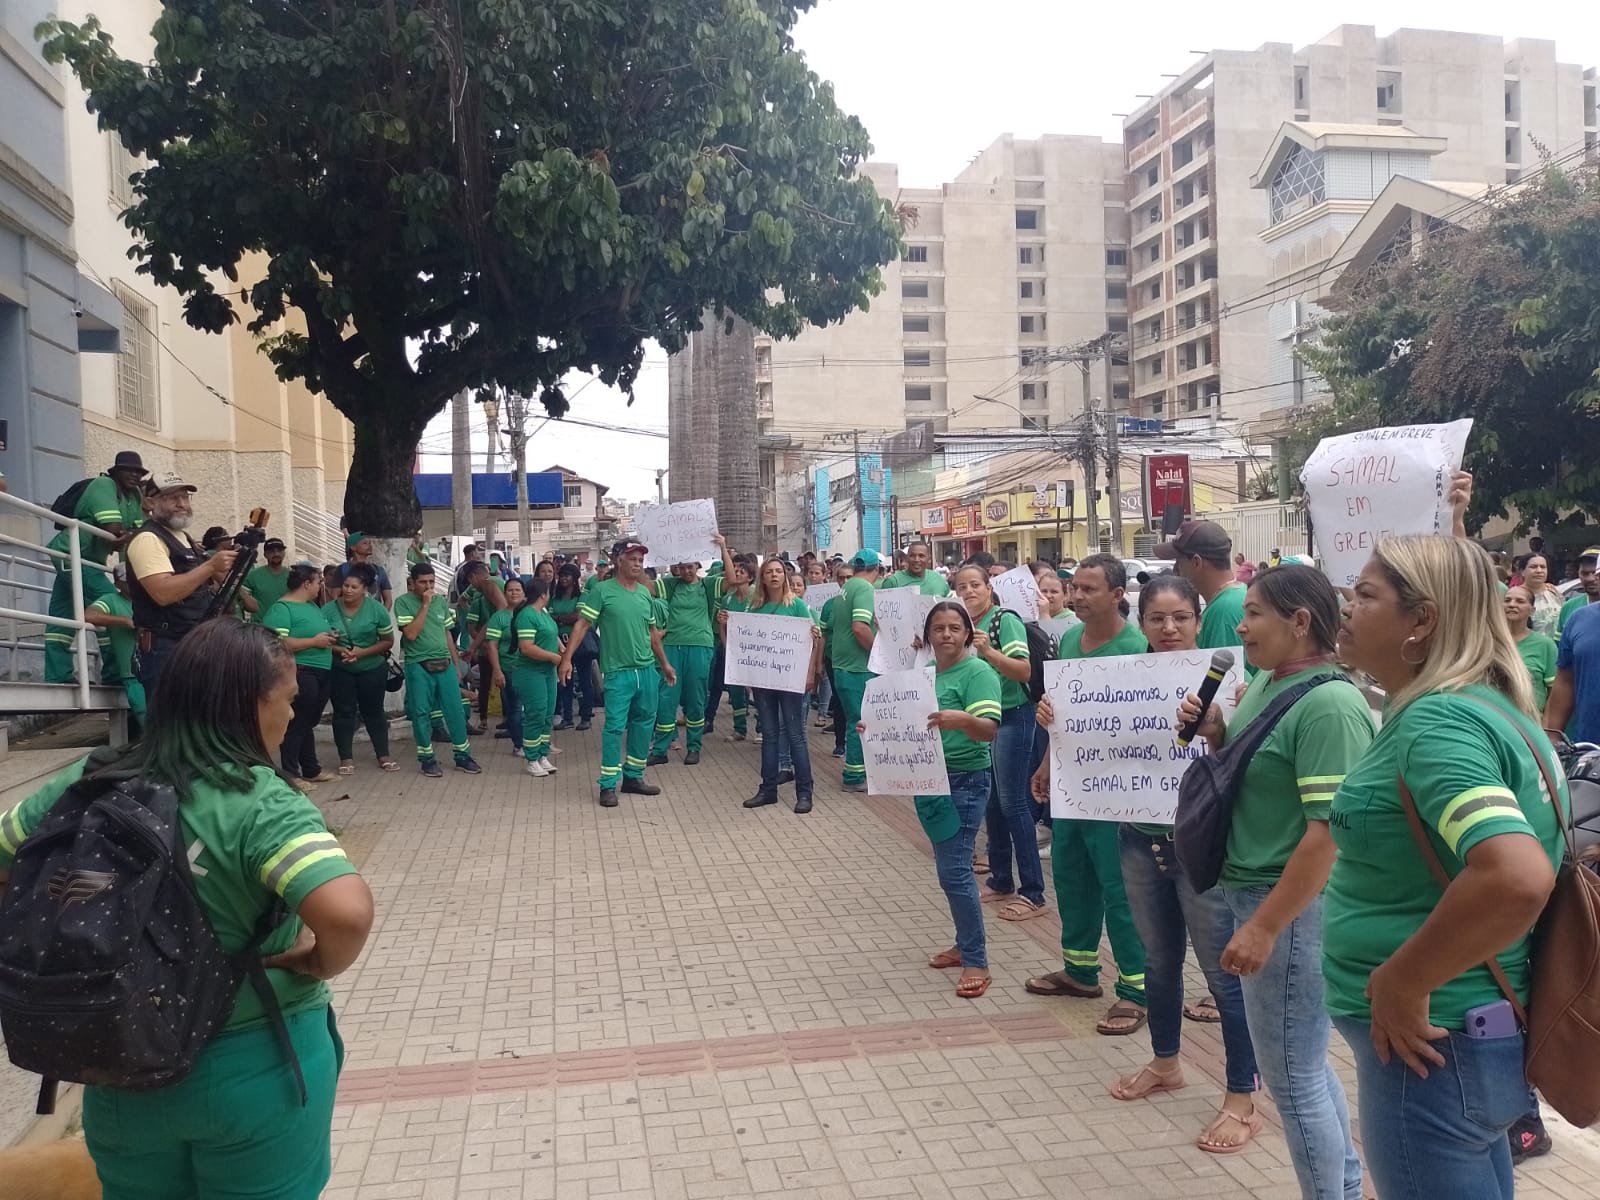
(117, 644)
(1471, 777)
(1575, 603)
(366, 627)
(251, 847)
(539, 627)
(931, 583)
(796, 607)
(1128, 641)
(689, 610)
(438, 620)
(624, 618)
(1292, 778)
(297, 619)
(971, 686)
(854, 604)
(100, 504)
(1538, 654)
(267, 586)
(1011, 639)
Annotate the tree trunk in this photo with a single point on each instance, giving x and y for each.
(380, 498)
(461, 462)
(738, 469)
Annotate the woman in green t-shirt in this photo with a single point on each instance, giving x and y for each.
(1537, 651)
(504, 660)
(968, 718)
(533, 646)
(1279, 853)
(299, 620)
(366, 635)
(563, 610)
(1404, 958)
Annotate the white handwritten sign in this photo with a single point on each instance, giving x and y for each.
(1019, 591)
(1379, 483)
(768, 651)
(678, 533)
(818, 594)
(900, 612)
(904, 756)
(1114, 753)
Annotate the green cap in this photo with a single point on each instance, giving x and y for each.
(868, 559)
(353, 539)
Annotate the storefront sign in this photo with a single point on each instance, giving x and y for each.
(961, 522)
(997, 512)
(1166, 480)
(935, 519)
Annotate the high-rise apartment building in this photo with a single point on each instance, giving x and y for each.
(1206, 338)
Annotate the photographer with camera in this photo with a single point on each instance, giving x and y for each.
(170, 578)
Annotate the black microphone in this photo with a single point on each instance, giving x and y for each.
(1221, 664)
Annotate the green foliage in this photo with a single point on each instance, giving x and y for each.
(447, 193)
(1499, 321)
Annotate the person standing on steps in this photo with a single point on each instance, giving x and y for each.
(917, 573)
(1086, 856)
(689, 639)
(633, 661)
(433, 672)
(265, 585)
(359, 548)
(854, 628)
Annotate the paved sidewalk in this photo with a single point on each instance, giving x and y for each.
(678, 998)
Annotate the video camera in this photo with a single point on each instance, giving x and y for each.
(247, 542)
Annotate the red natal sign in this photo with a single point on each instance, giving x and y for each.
(1166, 485)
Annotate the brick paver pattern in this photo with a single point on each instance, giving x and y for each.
(680, 998)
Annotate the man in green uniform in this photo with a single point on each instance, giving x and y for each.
(433, 679)
(854, 626)
(112, 502)
(634, 663)
(1588, 587)
(1202, 553)
(690, 642)
(265, 585)
(738, 574)
(1086, 861)
(112, 617)
(918, 573)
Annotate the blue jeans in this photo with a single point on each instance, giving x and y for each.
(1444, 1135)
(581, 683)
(783, 736)
(953, 858)
(1289, 1029)
(1010, 810)
(1170, 913)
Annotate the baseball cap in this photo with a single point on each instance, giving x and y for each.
(353, 539)
(169, 481)
(868, 559)
(1205, 538)
(629, 547)
(1592, 552)
(273, 544)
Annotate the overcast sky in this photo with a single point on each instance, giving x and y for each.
(937, 80)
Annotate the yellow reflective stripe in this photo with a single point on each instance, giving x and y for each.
(107, 516)
(299, 866)
(1015, 649)
(12, 834)
(288, 848)
(1316, 788)
(588, 614)
(864, 615)
(984, 708)
(404, 620)
(1081, 958)
(281, 630)
(1473, 807)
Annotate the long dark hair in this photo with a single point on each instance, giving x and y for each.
(568, 581)
(946, 606)
(205, 724)
(1288, 588)
(1175, 584)
(300, 574)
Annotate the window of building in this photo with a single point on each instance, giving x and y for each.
(1302, 89)
(137, 396)
(1037, 392)
(1116, 256)
(1031, 358)
(1025, 290)
(121, 165)
(1154, 253)
(919, 358)
(1027, 218)
(1157, 403)
(914, 324)
(572, 495)
(1025, 254)
(1153, 175)
(1032, 323)
(1119, 391)
(1117, 292)
(1155, 289)
(917, 254)
(919, 393)
(914, 289)
(1299, 184)
(1117, 324)
(1154, 214)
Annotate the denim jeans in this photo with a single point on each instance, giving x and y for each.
(783, 724)
(824, 694)
(1169, 914)
(1444, 1135)
(1010, 809)
(582, 683)
(1289, 1029)
(953, 858)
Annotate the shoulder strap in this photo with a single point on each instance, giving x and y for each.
(1259, 729)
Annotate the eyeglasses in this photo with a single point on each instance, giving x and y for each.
(1162, 620)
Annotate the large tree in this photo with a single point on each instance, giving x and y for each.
(455, 192)
(1498, 321)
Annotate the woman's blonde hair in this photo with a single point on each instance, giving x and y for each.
(1471, 643)
(761, 584)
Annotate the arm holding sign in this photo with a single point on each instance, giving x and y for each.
(953, 720)
(1460, 497)
(1010, 662)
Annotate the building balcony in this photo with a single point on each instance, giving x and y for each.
(1196, 115)
(1194, 166)
(1144, 272)
(1140, 153)
(1148, 192)
(1183, 251)
(1195, 291)
(1195, 374)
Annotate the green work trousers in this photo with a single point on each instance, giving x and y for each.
(692, 665)
(430, 695)
(60, 665)
(852, 688)
(1086, 862)
(233, 1129)
(536, 689)
(631, 699)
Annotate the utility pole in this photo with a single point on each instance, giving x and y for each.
(661, 490)
(1113, 460)
(1088, 444)
(861, 498)
(517, 412)
(461, 463)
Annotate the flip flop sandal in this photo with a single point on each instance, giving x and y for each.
(1128, 1087)
(945, 959)
(347, 770)
(1021, 910)
(1122, 1010)
(1059, 983)
(1205, 1011)
(1253, 1125)
(391, 765)
(987, 895)
(971, 989)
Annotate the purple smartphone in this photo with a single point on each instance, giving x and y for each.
(1491, 1020)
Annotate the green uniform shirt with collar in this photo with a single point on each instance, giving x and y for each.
(1012, 641)
(100, 504)
(971, 686)
(1128, 641)
(931, 584)
(250, 848)
(795, 607)
(539, 627)
(1219, 621)
(854, 604)
(1575, 603)
(1471, 777)
(267, 586)
(1295, 772)
(438, 620)
(624, 618)
(690, 609)
(117, 644)
(366, 627)
(1538, 654)
(297, 619)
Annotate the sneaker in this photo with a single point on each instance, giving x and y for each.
(549, 767)
(638, 787)
(735, 736)
(304, 786)
(465, 762)
(585, 725)
(501, 734)
(1528, 1139)
(536, 769)
(838, 752)
(516, 750)
(692, 758)
(561, 726)
(608, 797)
(657, 760)
(858, 788)
(431, 768)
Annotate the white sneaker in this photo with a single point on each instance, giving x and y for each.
(516, 752)
(549, 767)
(536, 770)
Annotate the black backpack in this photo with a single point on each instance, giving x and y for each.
(1211, 783)
(66, 505)
(1041, 649)
(110, 972)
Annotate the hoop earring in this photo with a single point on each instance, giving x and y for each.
(1406, 660)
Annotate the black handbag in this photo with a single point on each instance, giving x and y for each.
(1211, 784)
(394, 676)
